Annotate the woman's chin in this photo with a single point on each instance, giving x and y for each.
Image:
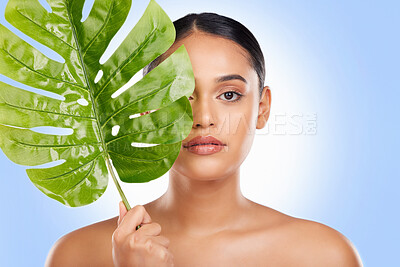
(203, 169)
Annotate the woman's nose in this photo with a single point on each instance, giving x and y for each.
(203, 113)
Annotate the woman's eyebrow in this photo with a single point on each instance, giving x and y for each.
(230, 77)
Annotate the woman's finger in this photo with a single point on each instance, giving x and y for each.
(122, 211)
(135, 216)
(151, 229)
(162, 240)
(153, 244)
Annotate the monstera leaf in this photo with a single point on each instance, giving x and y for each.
(88, 107)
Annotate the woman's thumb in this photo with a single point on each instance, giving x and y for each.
(122, 211)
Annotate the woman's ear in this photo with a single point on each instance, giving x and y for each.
(264, 108)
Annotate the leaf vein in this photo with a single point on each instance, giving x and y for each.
(50, 112)
(57, 176)
(42, 74)
(100, 31)
(124, 63)
(137, 159)
(83, 179)
(132, 103)
(40, 26)
(122, 136)
(47, 146)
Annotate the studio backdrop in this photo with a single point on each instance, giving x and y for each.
(329, 152)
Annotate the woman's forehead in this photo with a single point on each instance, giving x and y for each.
(208, 45)
(214, 56)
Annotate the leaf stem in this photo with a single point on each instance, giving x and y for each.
(107, 157)
(121, 193)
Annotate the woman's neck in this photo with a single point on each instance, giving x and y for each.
(202, 207)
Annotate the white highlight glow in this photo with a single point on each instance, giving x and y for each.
(142, 144)
(98, 76)
(134, 116)
(87, 7)
(137, 77)
(115, 130)
(138, 114)
(53, 130)
(82, 102)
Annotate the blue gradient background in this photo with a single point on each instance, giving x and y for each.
(336, 59)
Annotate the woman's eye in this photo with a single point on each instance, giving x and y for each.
(231, 95)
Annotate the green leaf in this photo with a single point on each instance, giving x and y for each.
(89, 150)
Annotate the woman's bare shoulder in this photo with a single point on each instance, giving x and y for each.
(85, 246)
(316, 244)
(328, 246)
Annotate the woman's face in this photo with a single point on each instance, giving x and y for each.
(217, 111)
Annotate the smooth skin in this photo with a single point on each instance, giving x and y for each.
(203, 219)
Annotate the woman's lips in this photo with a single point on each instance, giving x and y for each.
(204, 145)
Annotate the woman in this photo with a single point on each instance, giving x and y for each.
(203, 219)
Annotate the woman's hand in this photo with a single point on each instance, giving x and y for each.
(142, 247)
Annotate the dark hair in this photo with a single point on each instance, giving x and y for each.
(224, 27)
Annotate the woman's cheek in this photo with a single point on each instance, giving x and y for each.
(242, 132)
(237, 131)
